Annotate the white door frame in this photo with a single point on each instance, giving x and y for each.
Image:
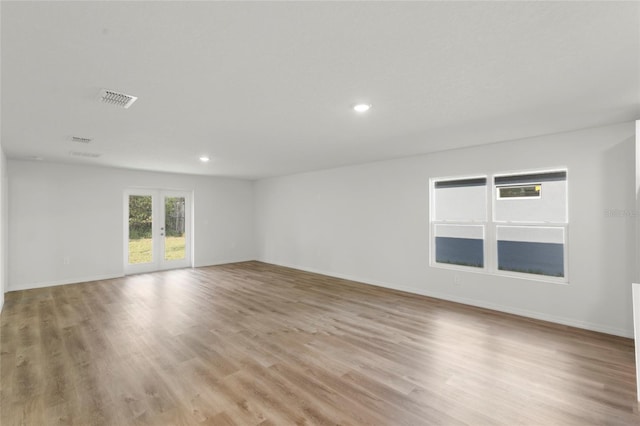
(158, 262)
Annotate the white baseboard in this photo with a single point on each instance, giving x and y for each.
(43, 284)
(466, 301)
(225, 262)
(472, 302)
(29, 286)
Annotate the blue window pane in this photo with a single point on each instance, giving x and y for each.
(531, 258)
(460, 251)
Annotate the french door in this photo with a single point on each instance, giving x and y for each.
(157, 230)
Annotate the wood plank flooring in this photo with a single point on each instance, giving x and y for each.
(257, 344)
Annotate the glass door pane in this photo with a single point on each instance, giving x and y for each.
(140, 229)
(174, 228)
(157, 226)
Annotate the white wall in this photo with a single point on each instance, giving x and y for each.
(74, 211)
(3, 204)
(370, 223)
(3, 226)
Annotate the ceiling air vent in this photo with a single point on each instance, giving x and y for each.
(80, 140)
(116, 98)
(84, 154)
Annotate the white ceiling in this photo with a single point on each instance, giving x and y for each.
(266, 88)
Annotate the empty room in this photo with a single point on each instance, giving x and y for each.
(319, 213)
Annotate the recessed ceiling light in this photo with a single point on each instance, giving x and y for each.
(204, 158)
(362, 107)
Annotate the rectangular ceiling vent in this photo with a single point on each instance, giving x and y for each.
(115, 98)
(80, 140)
(84, 154)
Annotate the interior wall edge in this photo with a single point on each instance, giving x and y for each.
(44, 284)
(89, 280)
(226, 261)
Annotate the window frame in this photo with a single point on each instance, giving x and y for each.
(490, 234)
(533, 224)
(433, 223)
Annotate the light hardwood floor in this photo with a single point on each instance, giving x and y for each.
(256, 344)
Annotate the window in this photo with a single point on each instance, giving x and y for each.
(459, 222)
(531, 250)
(526, 235)
(531, 230)
(519, 191)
